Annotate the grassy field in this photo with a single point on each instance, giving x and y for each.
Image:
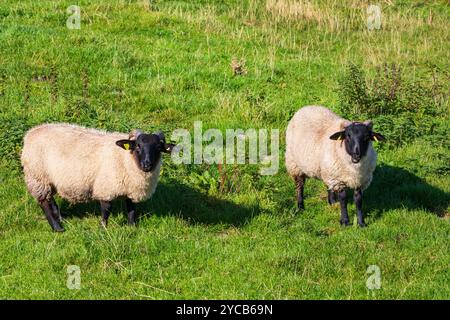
(236, 235)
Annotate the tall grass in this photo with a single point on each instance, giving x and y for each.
(225, 231)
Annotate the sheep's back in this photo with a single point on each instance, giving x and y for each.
(70, 158)
(307, 139)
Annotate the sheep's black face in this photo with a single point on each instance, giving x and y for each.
(357, 137)
(146, 149)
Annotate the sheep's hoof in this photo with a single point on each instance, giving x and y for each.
(333, 203)
(58, 229)
(104, 223)
(300, 206)
(344, 222)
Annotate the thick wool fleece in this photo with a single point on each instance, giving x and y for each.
(311, 152)
(81, 164)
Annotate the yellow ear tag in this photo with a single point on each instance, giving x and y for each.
(126, 146)
(376, 139)
(341, 138)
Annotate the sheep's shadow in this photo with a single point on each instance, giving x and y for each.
(176, 199)
(173, 199)
(396, 188)
(391, 188)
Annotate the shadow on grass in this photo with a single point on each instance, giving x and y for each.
(391, 188)
(396, 188)
(174, 199)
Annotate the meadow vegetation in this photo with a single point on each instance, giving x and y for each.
(226, 232)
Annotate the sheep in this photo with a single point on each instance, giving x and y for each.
(82, 164)
(322, 145)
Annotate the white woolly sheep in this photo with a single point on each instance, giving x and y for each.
(82, 164)
(322, 145)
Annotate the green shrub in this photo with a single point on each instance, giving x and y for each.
(402, 109)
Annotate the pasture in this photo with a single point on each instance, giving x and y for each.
(228, 232)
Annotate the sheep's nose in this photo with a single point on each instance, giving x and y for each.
(146, 164)
(356, 156)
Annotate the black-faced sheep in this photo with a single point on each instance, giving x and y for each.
(322, 145)
(82, 164)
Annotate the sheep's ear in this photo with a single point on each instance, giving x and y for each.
(168, 147)
(340, 135)
(126, 144)
(376, 137)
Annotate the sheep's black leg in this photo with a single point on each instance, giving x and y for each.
(331, 197)
(344, 213)
(48, 211)
(131, 208)
(105, 207)
(299, 186)
(357, 197)
(56, 211)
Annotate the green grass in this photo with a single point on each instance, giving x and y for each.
(163, 65)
